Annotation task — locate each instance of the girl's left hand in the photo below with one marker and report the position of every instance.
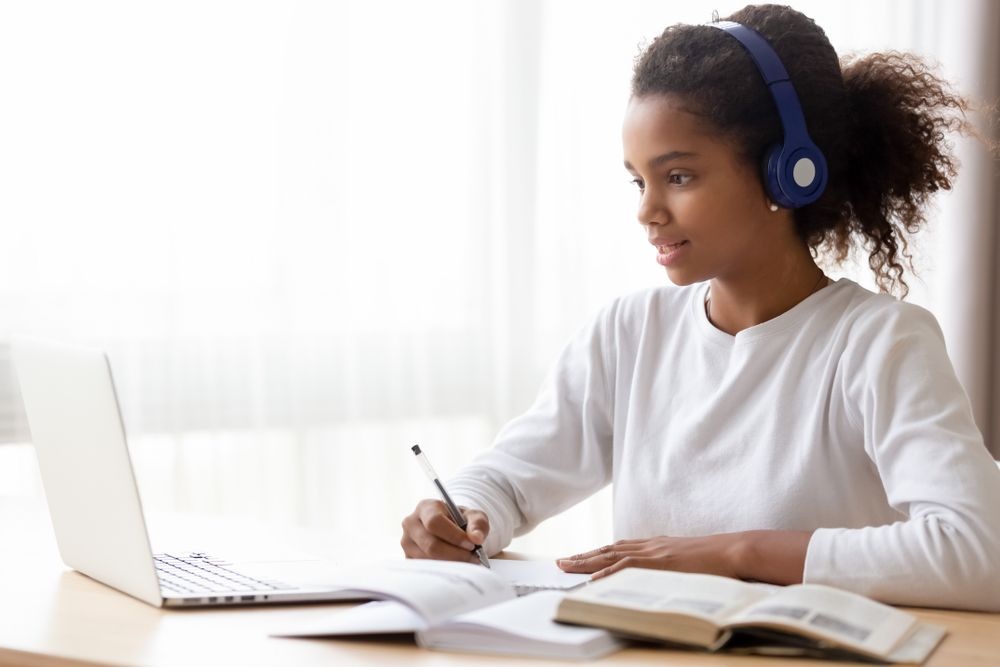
(712, 554)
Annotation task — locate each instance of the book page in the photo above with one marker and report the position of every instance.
(704, 596)
(839, 616)
(919, 644)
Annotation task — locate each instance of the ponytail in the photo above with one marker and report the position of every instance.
(899, 117)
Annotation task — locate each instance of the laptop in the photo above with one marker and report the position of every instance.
(76, 426)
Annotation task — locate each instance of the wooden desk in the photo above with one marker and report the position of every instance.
(50, 615)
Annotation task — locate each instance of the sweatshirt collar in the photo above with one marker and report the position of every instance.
(794, 316)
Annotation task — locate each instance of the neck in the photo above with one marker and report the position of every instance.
(740, 302)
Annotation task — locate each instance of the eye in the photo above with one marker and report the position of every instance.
(639, 184)
(679, 179)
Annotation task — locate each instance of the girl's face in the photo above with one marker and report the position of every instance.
(694, 190)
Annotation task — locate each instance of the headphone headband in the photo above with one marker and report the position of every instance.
(795, 171)
(763, 55)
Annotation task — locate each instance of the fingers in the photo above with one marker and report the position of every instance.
(478, 525)
(431, 547)
(621, 546)
(589, 565)
(437, 521)
(605, 564)
(628, 561)
(410, 548)
(418, 543)
(598, 559)
(429, 532)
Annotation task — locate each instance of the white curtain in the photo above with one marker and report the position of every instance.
(334, 229)
(966, 284)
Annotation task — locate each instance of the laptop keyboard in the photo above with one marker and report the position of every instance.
(200, 573)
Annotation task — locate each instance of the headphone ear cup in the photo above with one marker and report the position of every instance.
(769, 174)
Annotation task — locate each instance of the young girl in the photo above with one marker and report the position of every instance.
(758, 420)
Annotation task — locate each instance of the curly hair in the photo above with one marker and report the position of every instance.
(881, 120)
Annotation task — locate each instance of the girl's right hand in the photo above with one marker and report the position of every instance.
(430, 532)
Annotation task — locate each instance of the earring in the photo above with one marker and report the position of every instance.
(773, 206)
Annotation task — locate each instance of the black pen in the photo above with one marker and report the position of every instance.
(455, 514)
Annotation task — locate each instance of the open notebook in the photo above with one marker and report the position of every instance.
(465, 607)
(531, 576)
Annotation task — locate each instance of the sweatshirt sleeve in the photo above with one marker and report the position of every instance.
(903, 393)
(554, 455)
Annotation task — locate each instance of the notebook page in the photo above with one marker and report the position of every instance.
(529, 576)
(418, 593)
(383, 617)
(522, 626)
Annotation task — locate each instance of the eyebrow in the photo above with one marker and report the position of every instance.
(662, 159)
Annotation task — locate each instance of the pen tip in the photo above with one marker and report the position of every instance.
(416, 449)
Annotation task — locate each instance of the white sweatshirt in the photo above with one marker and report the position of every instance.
(842, 415)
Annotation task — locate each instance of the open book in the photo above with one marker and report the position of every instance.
(465, 607)
(718, 613)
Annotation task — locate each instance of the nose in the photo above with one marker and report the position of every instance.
(651, 211)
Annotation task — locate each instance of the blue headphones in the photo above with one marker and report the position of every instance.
(795, 170)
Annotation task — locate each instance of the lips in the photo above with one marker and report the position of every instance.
(670, 253)
(663, 246)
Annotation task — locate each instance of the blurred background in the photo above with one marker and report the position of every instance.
(311, 234)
